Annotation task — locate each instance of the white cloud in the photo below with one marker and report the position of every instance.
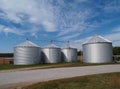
(51, 17)
(49, 27)
(63, 32)
(78, 43)
(112, 6)
(116, 29)
(74, 20)
(33, 32)
(113, 37)
(1, 27)
(34, 35)
(40, 12)
(20, 32)
(69, 37)
(7, 30)
(64, 18)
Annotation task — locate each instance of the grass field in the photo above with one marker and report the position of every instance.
(42, 66)
(99, 81)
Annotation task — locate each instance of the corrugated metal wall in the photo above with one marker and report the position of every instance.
(27, 55)
(97, 52)
(52, 55)
(69, 54)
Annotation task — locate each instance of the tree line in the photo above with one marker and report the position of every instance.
(116, 50)
(6, 54)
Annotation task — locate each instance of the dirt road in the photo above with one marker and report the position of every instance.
(20, 78)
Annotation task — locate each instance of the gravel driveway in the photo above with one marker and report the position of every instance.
(8, 79)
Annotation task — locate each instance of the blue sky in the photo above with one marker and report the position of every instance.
(62, 20)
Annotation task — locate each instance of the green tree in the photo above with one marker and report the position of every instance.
(116, 50)
(79, 53)
(6, 54)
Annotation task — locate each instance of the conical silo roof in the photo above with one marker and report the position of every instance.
(51, 46)
(68, 47)
(27, 43)
(96, 39)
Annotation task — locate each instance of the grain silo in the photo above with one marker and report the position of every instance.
(27, 53)
(52, 54)
(97, 50)
(69, 54)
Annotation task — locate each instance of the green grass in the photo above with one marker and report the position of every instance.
(99, 81)
(42, 66)
(11, 66)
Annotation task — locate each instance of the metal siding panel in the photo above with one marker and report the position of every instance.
(46, 55)
(64, 55)
(27, 55)
(97, 53)
(69, 54)
(52, 55)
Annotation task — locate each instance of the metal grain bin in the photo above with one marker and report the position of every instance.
(69, 54)
(97, 50)
(27, 53)
(52, 54)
